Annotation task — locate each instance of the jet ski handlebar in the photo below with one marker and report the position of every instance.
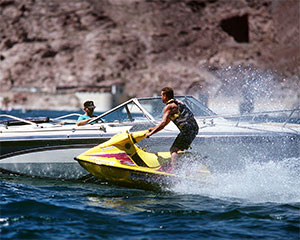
(138, 136)
(123, 137)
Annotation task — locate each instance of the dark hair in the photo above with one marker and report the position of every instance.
(89, 104)
(168, 92)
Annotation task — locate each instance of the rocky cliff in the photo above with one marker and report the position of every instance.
(51, 49)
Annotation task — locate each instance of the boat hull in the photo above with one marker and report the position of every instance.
(53, 158)
(54, 164)
(223, 153)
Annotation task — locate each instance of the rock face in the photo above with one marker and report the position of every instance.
(51, 48)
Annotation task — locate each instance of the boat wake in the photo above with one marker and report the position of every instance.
(273, 181)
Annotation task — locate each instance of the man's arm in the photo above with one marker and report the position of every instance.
(84, 122)
(164, 122)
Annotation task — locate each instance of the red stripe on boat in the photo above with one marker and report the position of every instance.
(121, 156)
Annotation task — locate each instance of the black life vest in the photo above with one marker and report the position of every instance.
(184, 118)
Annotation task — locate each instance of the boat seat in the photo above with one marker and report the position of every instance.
(145, 159)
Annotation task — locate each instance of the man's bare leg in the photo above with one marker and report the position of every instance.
(174, 157)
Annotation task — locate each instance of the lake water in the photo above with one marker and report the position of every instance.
(259, 201)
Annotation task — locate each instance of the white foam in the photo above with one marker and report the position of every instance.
(273, 181)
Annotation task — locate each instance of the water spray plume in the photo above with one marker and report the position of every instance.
(273, 181)
(253, 88)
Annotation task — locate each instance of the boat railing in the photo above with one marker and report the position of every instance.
(280, 116)
(290, 116)
(19, 119)
(66, 116)
(58, 119)
(36, 123)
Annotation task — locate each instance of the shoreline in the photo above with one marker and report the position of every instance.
(220, 104)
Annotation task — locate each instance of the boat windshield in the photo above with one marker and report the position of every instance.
(144, 109)
(128, 112)
(155, 106)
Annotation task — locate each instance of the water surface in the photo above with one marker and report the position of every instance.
(261, 201)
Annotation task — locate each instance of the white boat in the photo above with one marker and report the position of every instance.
(47, 148)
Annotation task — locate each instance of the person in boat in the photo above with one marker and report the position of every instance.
(88, 108)
(182, 117)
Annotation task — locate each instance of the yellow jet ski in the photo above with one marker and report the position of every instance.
(120, 161)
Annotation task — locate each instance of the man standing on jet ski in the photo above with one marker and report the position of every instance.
(182, 117)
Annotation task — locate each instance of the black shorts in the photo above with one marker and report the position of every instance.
(186, 136)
